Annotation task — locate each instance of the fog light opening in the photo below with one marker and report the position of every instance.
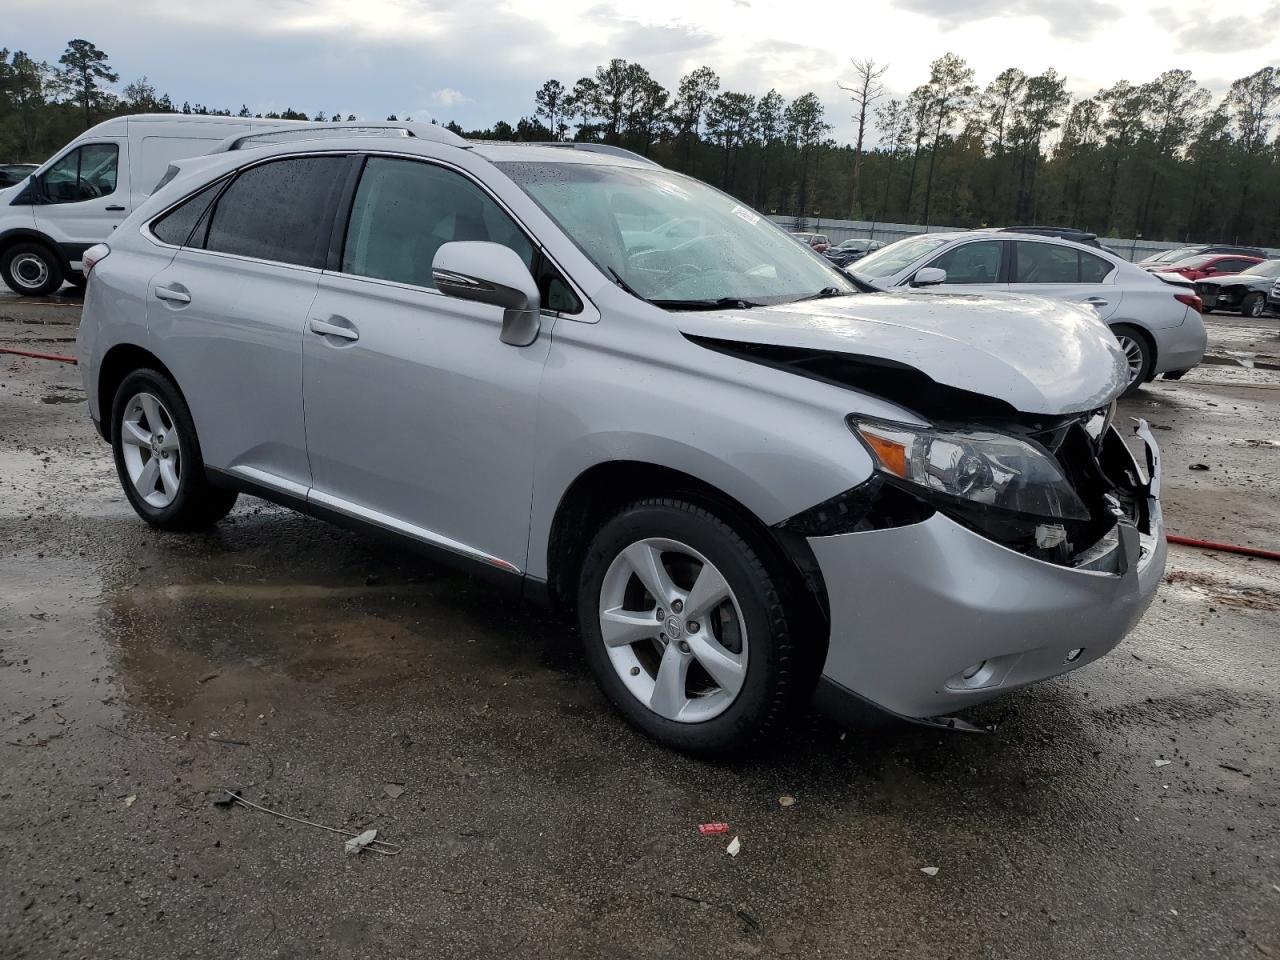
(1073, 655)
(972, 672)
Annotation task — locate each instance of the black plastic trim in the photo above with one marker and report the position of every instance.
(849, 709)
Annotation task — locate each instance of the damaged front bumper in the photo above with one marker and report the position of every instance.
(932, 617)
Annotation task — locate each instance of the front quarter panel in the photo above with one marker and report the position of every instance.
(633, 388)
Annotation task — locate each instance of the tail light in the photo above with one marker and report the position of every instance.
(1191, 300)
(92, 257)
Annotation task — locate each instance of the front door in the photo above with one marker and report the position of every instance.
(419, 419)
(973, 267)
(85, 195)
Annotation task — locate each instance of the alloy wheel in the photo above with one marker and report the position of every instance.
(1132, 354)
(673, 630)
(152, 455)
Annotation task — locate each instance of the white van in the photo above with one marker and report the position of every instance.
(79, 196)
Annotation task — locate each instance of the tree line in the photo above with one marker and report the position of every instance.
(1160, 159)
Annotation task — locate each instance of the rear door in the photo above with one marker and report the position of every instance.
(1063, 272)
(228, 312)
(85, 195)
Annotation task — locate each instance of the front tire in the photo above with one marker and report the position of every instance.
(31, 269)
(686, 629)
(157, 456)
(1255, 304)
(1138, 352)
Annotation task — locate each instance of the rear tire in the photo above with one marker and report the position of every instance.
(31, 269)
(742, 672)
(1254, 305)
(1139, 353)
(157, 456)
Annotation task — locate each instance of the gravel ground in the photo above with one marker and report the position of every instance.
(337, 680)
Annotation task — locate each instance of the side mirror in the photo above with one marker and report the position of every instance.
(928, 277)
(491, 273)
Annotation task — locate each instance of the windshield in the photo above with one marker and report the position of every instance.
(670, 239)
(1173, 256)
(854, 245)
(1268, 268)
(901, 253)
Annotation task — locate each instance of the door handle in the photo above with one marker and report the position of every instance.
(115, 208)
(1097, 301)
(172, 295)
(327, 328)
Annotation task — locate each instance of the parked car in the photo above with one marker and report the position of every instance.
(85, 191)
(1246, 292)
(818, 241)
(754, 485)
(847, 251)
(1170, 257)
(12, 173)
(1157, 323)
(1209, 265)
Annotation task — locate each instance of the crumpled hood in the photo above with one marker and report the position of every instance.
(1041, 356)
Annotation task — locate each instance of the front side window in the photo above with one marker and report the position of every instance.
(86, 173)
(406, 210)
(616, 214)
(898, 255)
(279, 211)
(972, 262)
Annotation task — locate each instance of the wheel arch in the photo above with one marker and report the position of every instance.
(31, 235)
(118, 362)
(603, 489)
(1150, 341)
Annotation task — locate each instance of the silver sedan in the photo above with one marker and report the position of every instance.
(1157, 322)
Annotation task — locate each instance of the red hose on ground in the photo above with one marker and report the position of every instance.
(60, 357)
(1224, 547)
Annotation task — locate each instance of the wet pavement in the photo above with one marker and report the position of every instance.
(142, 673)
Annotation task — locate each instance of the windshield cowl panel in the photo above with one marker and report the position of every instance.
(672, 240)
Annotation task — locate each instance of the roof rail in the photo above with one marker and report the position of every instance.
(606, 148)
(324, 131)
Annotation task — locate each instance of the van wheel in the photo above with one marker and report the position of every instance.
(1137, 351)
(158, 458)
(31, 269)
(686, 630)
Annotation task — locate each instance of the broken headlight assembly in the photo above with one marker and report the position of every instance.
(1001, 486)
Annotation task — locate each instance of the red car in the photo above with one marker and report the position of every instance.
(1210, 265)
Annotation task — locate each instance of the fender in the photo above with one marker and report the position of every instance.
(67, 252)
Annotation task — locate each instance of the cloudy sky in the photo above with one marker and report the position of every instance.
(477, 61)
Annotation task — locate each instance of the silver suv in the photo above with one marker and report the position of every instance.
(754, 486)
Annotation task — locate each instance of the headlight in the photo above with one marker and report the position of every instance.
(973, 468)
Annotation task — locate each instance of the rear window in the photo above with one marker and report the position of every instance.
(175, 226)
(279, 211)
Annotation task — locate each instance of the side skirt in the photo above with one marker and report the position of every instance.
(511, 582)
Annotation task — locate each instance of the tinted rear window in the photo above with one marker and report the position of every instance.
(279, 211)
(175, 226)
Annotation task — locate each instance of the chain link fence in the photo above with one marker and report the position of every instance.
(838, 230)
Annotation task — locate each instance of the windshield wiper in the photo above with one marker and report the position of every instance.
(724, 303)
(826, 293)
